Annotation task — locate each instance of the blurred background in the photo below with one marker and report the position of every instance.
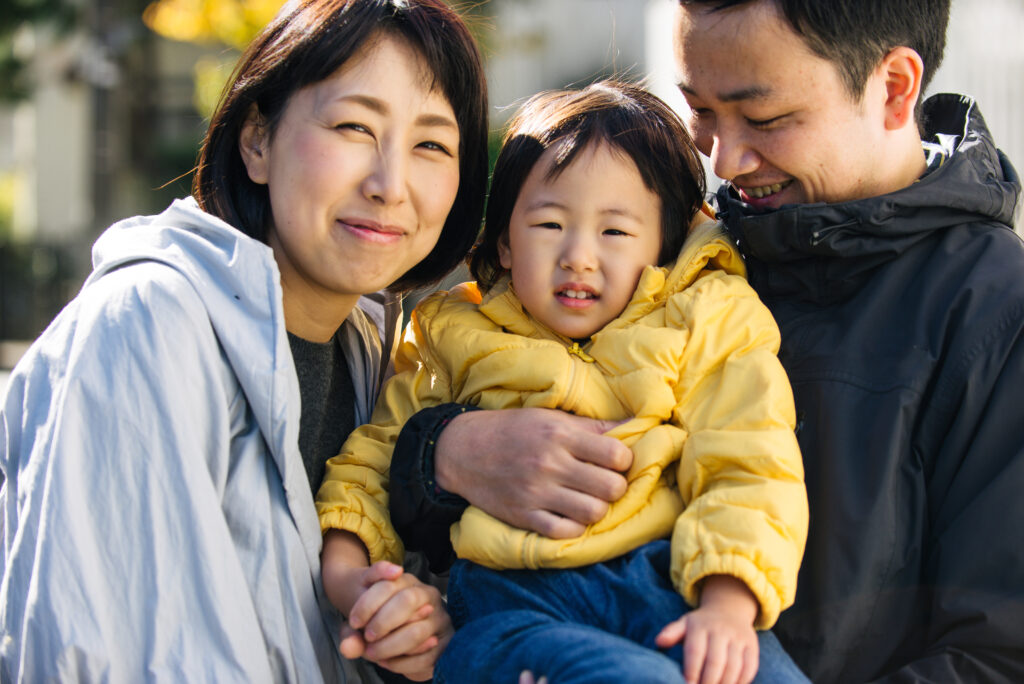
(103, 104)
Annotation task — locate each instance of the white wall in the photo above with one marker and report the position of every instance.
(50, 148)
(541, 44)
(985, 59)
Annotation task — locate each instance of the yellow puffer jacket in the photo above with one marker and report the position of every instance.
(691, 362)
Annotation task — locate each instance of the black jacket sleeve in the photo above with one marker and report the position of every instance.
(974, 558)
(421, 511)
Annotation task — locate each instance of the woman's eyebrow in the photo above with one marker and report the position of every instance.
(383, 107)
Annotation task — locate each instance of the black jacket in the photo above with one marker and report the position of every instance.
(902, 323)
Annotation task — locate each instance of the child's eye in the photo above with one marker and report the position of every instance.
(614, 231)
(549, 224)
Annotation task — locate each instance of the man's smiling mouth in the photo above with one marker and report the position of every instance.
(766, 190)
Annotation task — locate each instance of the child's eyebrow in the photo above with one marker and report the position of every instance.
(616, 211)
(539, 204)
(605, 211)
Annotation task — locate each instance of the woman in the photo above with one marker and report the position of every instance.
(158, 520)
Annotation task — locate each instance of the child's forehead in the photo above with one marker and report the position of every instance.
(567, 152)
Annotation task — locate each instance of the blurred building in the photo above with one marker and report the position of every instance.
(108, 127)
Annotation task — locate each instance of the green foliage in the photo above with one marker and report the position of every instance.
(8, 188)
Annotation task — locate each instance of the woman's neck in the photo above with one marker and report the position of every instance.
(315, 318)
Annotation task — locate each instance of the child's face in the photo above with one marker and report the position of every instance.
(577, 243)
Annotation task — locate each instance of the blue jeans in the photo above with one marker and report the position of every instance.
(591, 624)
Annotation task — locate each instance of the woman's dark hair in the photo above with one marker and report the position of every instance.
(622, 115)
(304, 44)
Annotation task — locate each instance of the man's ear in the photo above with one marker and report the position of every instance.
(902, 69)
(252, 144)
(504, 253)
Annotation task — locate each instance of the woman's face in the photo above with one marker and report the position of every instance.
(362, 171)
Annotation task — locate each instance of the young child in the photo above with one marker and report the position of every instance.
(604, 290)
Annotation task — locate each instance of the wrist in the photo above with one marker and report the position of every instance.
(730, 594)
(342, 560)
(440, 479)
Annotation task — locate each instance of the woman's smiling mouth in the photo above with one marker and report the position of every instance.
(372, 231)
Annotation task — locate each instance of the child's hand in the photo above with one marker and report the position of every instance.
(720, 644)
(397, 622)
(394, 619)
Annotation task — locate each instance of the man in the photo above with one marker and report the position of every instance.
(888, 259)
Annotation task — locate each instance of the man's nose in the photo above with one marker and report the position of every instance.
(731, 155)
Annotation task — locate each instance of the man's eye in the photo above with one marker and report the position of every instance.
(766, 123)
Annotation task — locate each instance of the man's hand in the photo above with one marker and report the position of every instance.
(720, 644)
(538, 469)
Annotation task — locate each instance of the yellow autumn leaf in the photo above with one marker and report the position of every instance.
(229, 22)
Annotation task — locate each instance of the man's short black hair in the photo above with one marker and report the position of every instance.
(856, 35)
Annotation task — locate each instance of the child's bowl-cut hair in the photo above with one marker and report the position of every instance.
(622, 115)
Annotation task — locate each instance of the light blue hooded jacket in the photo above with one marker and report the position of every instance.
(157, 522)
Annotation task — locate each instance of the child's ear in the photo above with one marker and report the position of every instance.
(504, 253)
(252, 146)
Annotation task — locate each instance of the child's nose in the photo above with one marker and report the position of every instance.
(579, 255)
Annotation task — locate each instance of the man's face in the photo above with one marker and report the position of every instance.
(774, 118)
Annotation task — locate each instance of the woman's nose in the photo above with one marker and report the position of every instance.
(387, 180)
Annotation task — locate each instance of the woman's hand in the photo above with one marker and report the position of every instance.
(720, 644)
(393, 619)
(538, 469)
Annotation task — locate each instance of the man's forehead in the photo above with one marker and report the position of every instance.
(734, 54)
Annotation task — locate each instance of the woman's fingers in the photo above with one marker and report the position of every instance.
(352, 645)
(382, 580)
(397, 603)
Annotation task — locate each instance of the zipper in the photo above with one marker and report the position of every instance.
(577, 350)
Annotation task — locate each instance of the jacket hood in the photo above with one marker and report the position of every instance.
(238, 280)
(825, 251)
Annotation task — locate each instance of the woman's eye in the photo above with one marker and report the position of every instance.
(432, 145)
(350, 126)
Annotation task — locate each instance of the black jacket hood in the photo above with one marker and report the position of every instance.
(825, 251)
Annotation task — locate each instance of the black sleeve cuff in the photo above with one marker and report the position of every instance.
(421, 511)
